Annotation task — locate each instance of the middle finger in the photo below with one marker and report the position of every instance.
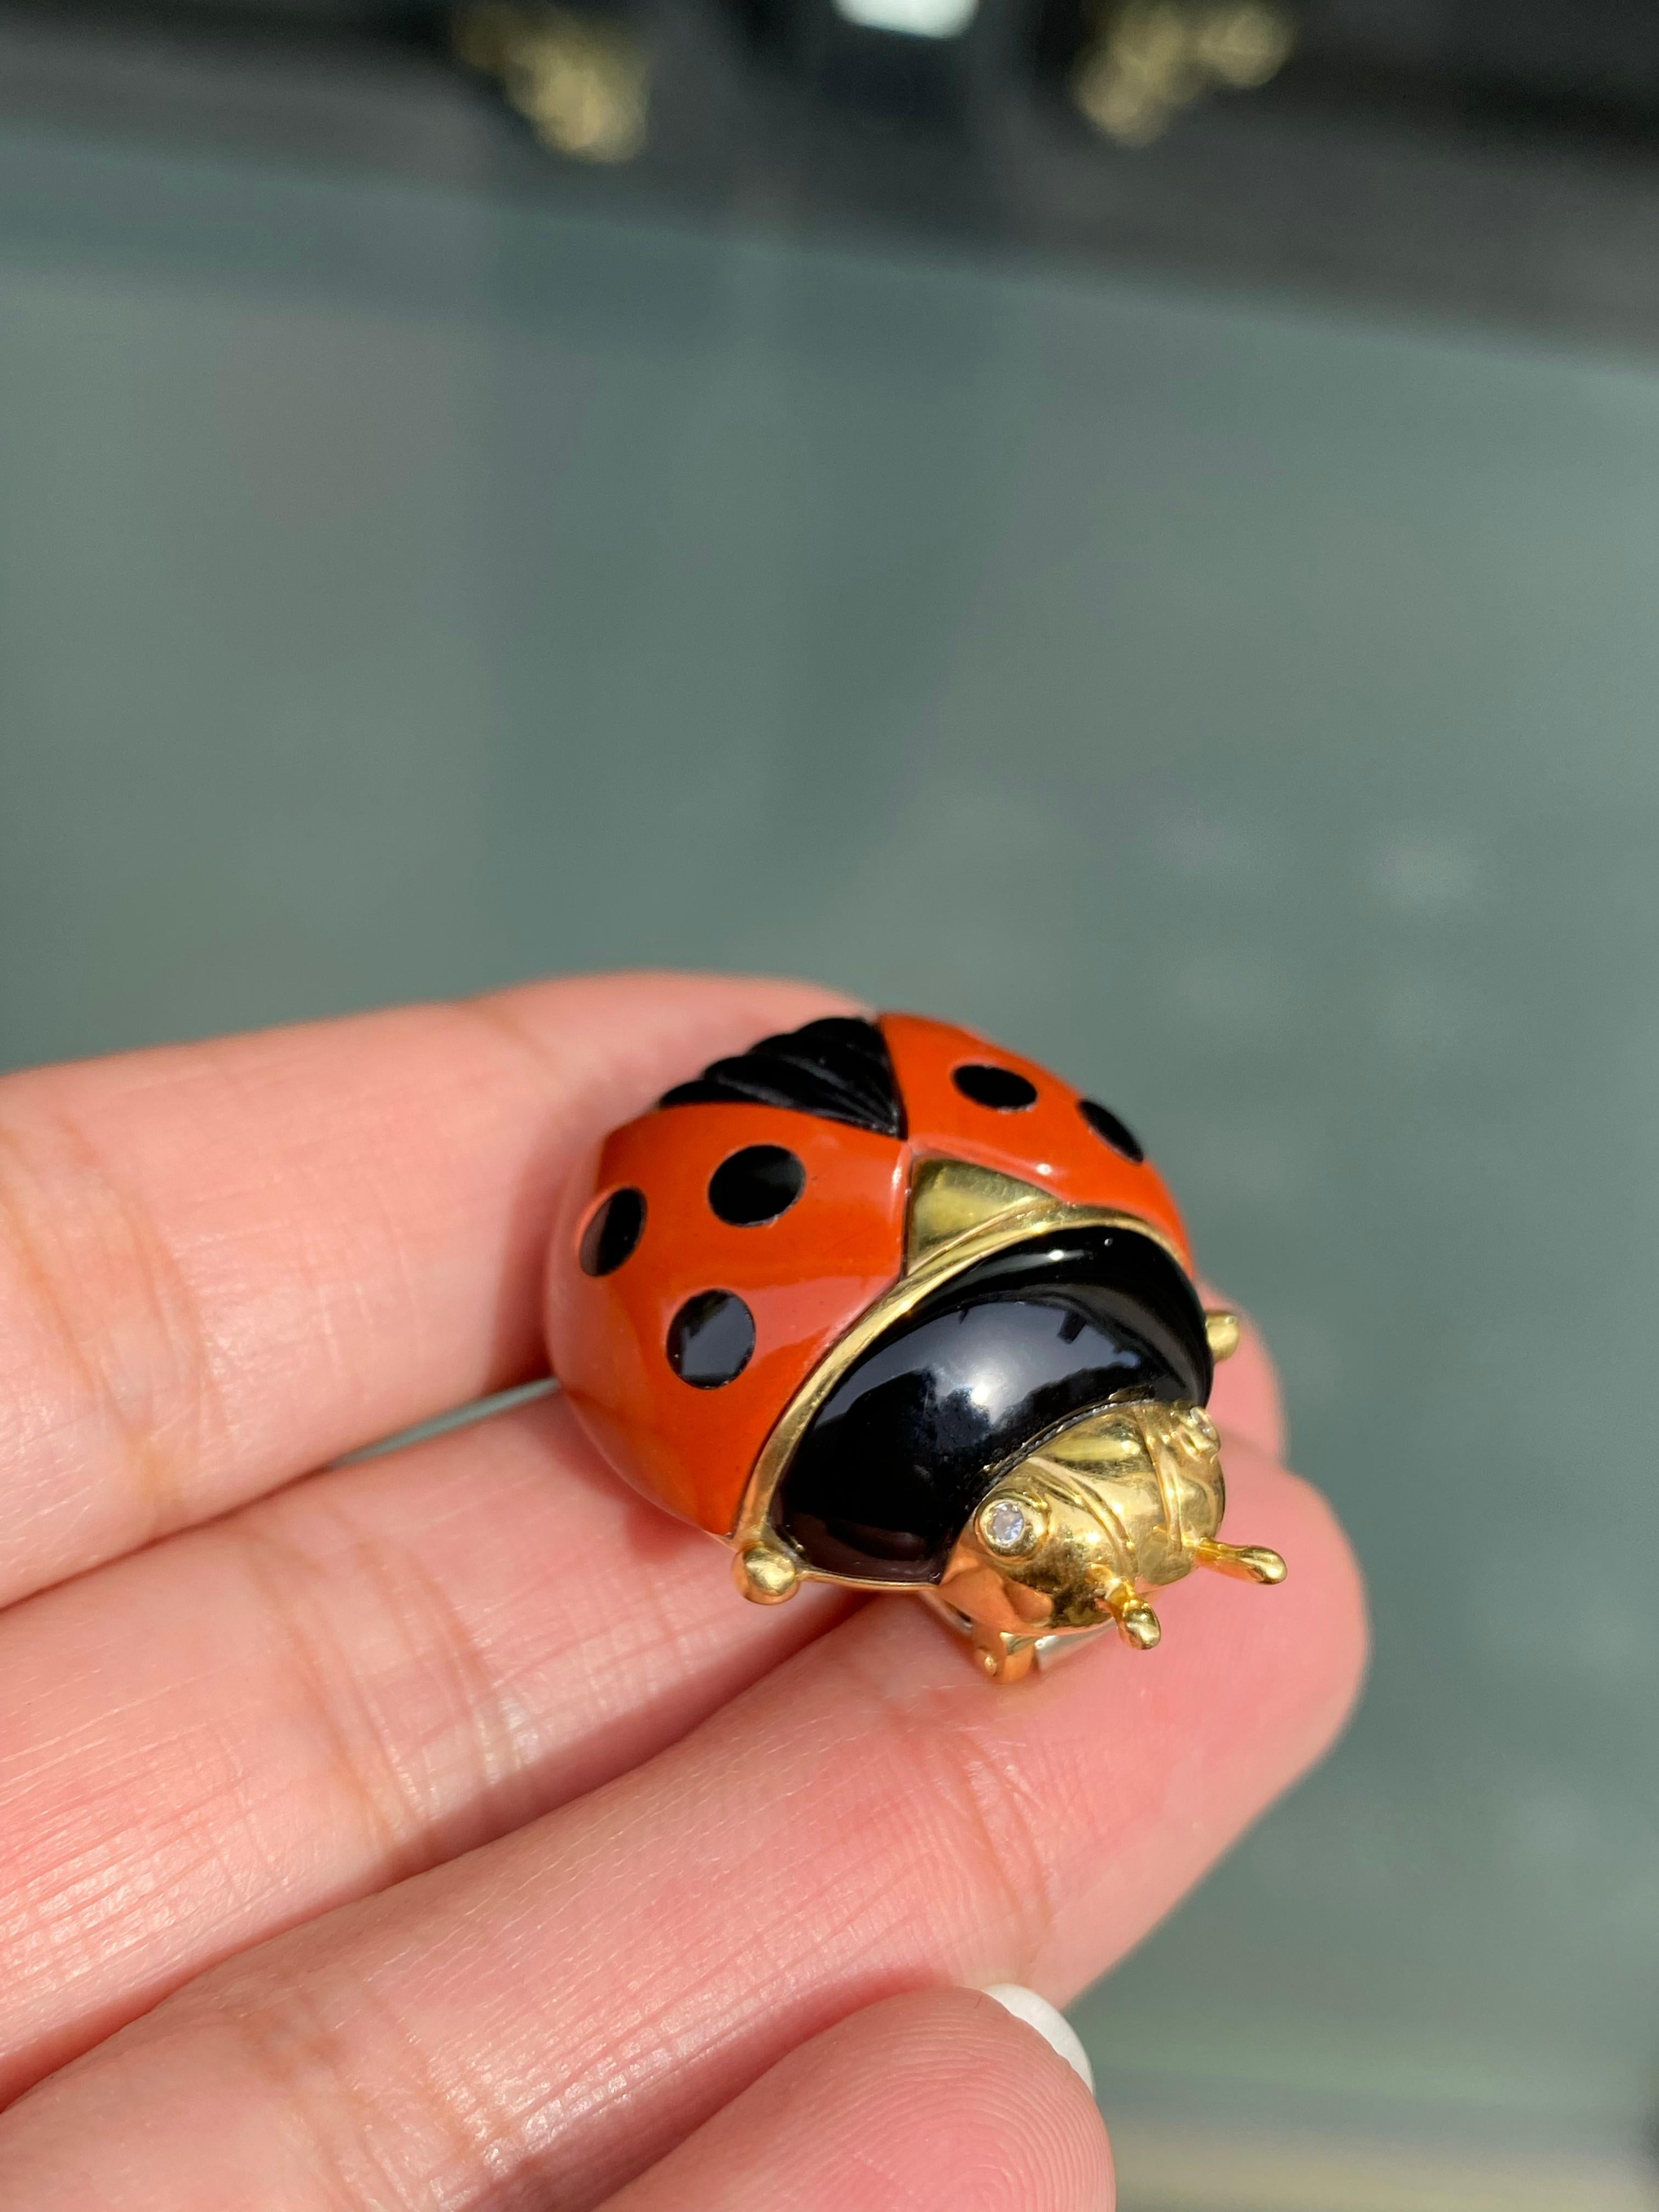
(326, 1690)
(551, 2013)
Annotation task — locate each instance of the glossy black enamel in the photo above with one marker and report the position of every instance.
(756, 1185)
(903, 1451)
(612, 1231)
(711, 1339)
(1106, 1124)
(999, 1088)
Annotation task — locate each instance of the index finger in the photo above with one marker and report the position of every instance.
(222, 1265)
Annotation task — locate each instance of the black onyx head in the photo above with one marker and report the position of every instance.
(919, 1427)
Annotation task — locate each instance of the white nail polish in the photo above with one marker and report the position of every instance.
(1051, 2025)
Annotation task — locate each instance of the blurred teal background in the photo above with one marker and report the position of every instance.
(1247, 707)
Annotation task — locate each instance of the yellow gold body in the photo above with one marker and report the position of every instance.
(1070, 1539)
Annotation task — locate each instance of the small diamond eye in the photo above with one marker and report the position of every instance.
(1010, 1525)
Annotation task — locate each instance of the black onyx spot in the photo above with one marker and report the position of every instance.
(756, 1185)
(710, 1338)
(999, 1087)
(613, 1231)
(1104, 1123)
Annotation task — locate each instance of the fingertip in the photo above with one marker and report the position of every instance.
(1009, 2063)
(1310, 1637)
(1247, 1401)
(1050, 2023)
(1339, 1611)
(918, 2103)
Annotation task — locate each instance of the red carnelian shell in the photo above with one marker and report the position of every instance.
(806, 1275)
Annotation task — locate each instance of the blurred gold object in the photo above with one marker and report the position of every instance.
(582, 81)
(1070, 1540)
(1222, 1329)
(1153, 58)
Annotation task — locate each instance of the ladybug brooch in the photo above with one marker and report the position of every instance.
(878, 1303)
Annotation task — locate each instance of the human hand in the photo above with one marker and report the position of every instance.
(439, 1831)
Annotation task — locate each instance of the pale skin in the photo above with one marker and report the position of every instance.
(441, 1831)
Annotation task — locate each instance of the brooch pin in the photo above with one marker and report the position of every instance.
(878, 1303)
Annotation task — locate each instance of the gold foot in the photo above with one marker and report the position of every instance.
(1222, 1329)
(766, 1574)
(1004, 1658)
(1245, 1563)
(1137, 1623)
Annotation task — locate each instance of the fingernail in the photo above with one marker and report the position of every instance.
(1050, 2024)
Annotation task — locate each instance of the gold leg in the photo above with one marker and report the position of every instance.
(1137, 1623)
(1224, 1330)
(1005, 1658)
(1245, 1563)
(766, 1574)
